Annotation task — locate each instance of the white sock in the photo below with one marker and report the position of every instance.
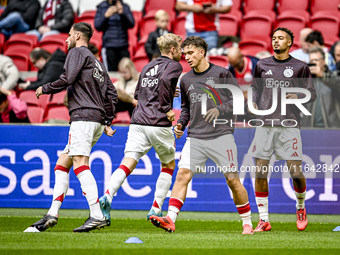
(90, 190)
(162, 187)
(59, 191)
(262, 206)
(245, 213)
(116, 180)
(300, 200)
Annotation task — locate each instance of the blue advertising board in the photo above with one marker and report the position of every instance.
(28, 155)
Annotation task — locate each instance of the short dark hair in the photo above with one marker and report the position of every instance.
(93, 48)
(196, 41)
(84, 28)
(316, 50)
(315, 36)
(290, 33)
(3, 97)
(38, 53)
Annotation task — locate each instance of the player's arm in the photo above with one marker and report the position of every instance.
(110, 101)
(185, 113)
(181, 6)
(138, 87)
(73, 65)
(167, 88)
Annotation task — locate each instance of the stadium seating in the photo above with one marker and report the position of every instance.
(254, 25)
(288, 5)
(140, 62)
(250, 5)
(89, 14)
(151, 5)
(53, 42)
(122, 118)
(252, 46)
(57, 113)
(30, 98)
(18, 45)
(219, 60)
(21, 61)
(296, 45)
(57, 99)
(35, 114)
(321, 5)
(327, 25)
(293, 22)
(185, 65)
(229, 25)
(179, 25)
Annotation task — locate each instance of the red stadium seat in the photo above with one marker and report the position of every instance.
(113, 79)
(252, 46)
(290, 13)
(219, 60)
(57, 113)
(133, 32)
(294, 23)
(321, 5)
(18, 45)
(20, 36)
(253, 25)
(288, 5)
(185, 65)
(179, 25)
(21, 61)
(122, 118)
(237, 4)
(250, 5)
(35, 114)
(260, 13)
(140, 50)
(228, 25)
(296, 45)
(89, 14)
(2, 42)
(30, 98)
(327, 25)
(168, 5)
(52, 43)
(57, 99)
(332, 13)
(140, 62)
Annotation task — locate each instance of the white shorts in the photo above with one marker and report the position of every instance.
(142, 138)
(284, 142)
(222, 151)
(83, 135)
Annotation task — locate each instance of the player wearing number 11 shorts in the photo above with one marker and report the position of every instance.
(280, 133)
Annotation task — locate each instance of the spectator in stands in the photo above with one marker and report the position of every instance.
(242, 67)
(50, 67)
(202, 18)
(19, 16)
(263, 54)
(325, 109)
(302, 53)
(9, 74)
(126, 86)
(114, 18)
(151, 47)
(315, 39)
(55, 17)
(335, 54)
(12, 109)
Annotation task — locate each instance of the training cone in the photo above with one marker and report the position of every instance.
(133, 240)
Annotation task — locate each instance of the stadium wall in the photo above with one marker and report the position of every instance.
(28, 155)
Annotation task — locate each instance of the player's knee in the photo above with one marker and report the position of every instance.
(234, 183)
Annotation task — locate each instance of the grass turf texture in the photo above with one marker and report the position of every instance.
(196, 233)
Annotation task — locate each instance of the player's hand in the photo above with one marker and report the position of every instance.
(38, 92)
(316, 70)
(210, 10)
(108, 131)
(291, 96)
(255, 107)
(178, 130)
(171, 115)
(211, 115)
(134, 102)
(177, 92)
(197, 8)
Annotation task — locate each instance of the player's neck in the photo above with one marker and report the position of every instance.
(81, 43)
(281, 56)
(204, 65)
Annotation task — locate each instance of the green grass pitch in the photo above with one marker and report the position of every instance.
(196, 233)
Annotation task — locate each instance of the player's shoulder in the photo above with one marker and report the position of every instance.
(298, 62)
(266, 60)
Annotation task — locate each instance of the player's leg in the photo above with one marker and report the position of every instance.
(163, 141)
(61, 185)
(176, 201)
(299, 184)
(136, 146)
(241, 201)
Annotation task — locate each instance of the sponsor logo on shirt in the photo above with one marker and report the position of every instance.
(96, 72)
(269, 72)
(150, 82)
(272, 83)
(152, 71)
